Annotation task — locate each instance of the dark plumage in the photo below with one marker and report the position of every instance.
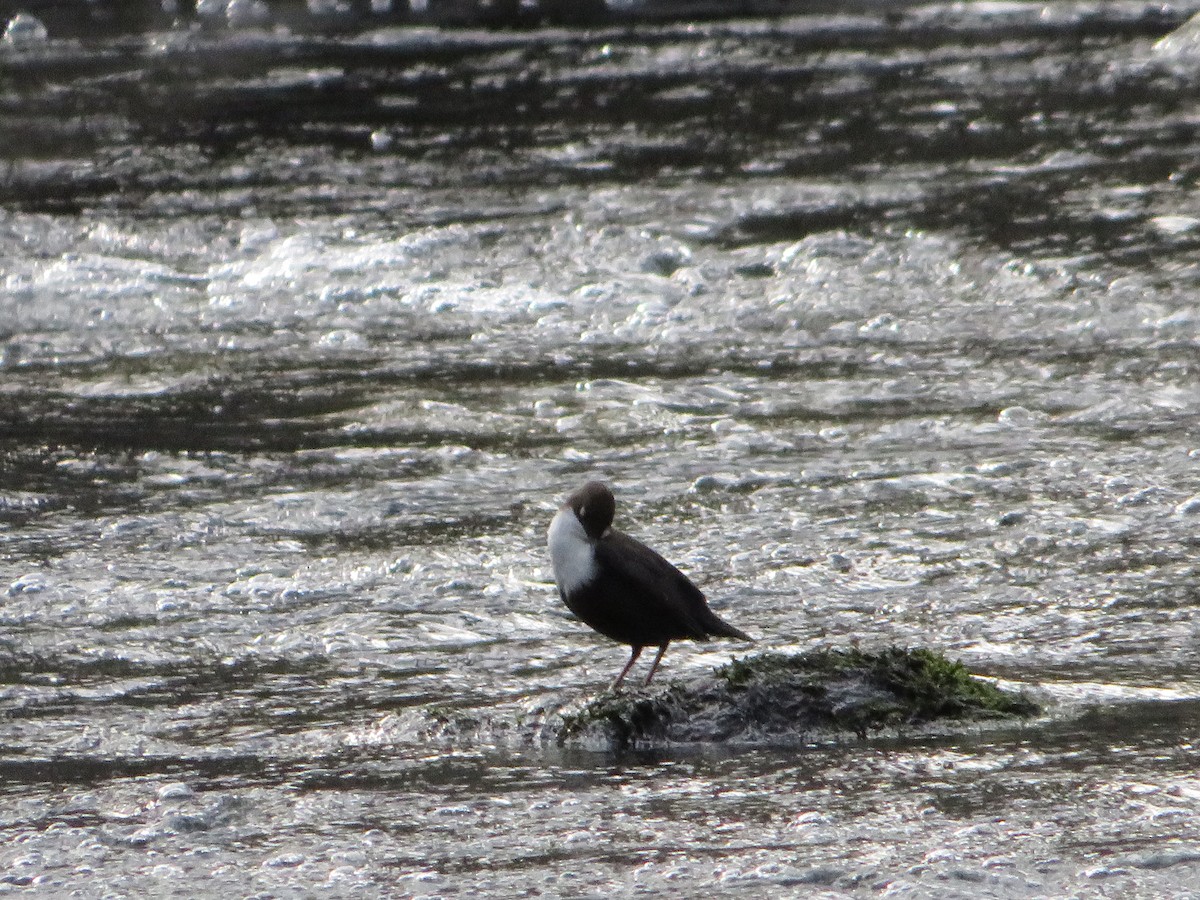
(622, 588)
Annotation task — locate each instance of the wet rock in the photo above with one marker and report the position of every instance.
(186, 823)
(774, 698)
(839, 562)
(666, 260)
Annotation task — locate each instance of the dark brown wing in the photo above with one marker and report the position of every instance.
(663, 593)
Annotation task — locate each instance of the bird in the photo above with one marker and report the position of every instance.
(622, 588)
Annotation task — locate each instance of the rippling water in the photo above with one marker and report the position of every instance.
(884, 330)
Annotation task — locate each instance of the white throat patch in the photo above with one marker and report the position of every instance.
(570, 551)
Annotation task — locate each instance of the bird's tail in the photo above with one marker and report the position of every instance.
(718, 627)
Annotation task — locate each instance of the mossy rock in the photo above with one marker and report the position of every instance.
(777, 698)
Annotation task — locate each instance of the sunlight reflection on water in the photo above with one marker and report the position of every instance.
(277, 614)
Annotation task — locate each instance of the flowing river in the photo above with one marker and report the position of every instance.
(883, 327)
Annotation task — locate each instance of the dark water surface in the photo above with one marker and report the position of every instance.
(884, 327)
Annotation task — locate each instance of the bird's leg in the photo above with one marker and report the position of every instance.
(637, 651)
(662, 648)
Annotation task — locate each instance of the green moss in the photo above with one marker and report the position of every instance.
(773, 695)
(928, 684)
(941, 687)
(625, 716)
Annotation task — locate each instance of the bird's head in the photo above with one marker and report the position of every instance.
(594, 506)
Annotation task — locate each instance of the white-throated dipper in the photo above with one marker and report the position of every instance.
(622, 588)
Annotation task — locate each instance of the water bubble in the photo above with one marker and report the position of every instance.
(32, 583)
(285, 861)
(24, 29)
(175, 791)
(1183, 42)
(343, 339)
(1175, 225)
(1019, 417)
(381, 140)
(1189, 507)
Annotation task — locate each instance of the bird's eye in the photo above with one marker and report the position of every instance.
(583, 512)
